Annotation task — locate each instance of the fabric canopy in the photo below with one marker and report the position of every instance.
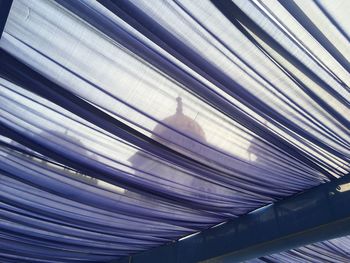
(335, 250)
(125, 125)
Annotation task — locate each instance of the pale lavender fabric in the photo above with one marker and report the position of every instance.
(125, 125)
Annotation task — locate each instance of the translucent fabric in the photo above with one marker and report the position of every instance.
(128, 124)
(335, 250)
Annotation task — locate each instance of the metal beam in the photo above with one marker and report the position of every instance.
(318, 214)
(5, 6)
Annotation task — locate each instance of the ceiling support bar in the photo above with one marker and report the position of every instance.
(318, 214)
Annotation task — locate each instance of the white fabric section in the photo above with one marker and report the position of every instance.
(125, 81)
(298, 32)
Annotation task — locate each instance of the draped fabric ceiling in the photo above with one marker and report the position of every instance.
(128, 124)
(335, 250)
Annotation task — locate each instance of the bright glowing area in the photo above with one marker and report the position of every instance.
(183, 238)
(343, 187)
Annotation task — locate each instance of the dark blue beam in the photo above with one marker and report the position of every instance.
(5, 6)
(318, 214)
